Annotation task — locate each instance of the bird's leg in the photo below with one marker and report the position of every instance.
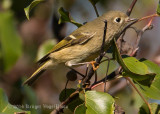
(94, 64)
(95, 67)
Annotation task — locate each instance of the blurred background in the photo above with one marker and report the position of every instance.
(23, 42)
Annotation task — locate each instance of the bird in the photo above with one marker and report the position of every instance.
(84, 44)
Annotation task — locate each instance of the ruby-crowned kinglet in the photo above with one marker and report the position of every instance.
(83, 44)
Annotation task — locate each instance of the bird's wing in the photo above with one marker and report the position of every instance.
(77, 38)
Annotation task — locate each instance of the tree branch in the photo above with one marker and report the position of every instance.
(129, 11)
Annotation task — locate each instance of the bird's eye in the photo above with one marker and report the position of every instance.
(117, 20)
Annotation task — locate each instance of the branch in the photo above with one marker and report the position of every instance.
(111, 76)
(129, 11)
(149, 26)
(94, 6)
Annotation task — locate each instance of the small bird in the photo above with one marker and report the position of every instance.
(84, 44)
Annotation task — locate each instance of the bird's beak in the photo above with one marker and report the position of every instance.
(131, 20)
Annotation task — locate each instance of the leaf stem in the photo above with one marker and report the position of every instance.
(150, 16)
(139, 93)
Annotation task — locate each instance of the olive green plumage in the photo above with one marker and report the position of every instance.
(83, 44)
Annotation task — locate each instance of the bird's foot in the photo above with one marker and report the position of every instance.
(93, 65)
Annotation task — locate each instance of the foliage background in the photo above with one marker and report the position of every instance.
(22, 42)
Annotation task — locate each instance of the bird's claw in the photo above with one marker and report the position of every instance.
(93, 65)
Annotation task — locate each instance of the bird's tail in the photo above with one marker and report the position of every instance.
(36, 74)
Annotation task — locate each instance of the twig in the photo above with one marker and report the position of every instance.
(77, 72)
(129, 11)
(86, 70)
(66, 102)
(150, 16)
(139, 94)
(106, 60)
(107, 78)
(140, 32)
(94, 6)
(65, 93)
(106, 73)
(104, 37)
(95, 77)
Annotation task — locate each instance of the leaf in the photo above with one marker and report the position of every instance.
(31, 6)
(6, 107)
(63, 96)
(103, 66)
(133, 68)
(152, 67)
(93, 2)
(81, 109)
(10, 42)
(77, 101)
(45, 48)
(65, 17)
(154, 90)
(155, 109)
(99, 103)
(158, 8)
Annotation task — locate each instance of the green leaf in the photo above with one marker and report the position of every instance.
(152, 67)
(6, 107)
(65, 94)
(155, 109)
(81, 109)
(77, 101)
(65, 17)
(10, 42)
(93, 2)
(99, 103)
(45, 48)
(103, 66)
(134, 68)
(158, 8)
(31, 6)
(154, 90)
